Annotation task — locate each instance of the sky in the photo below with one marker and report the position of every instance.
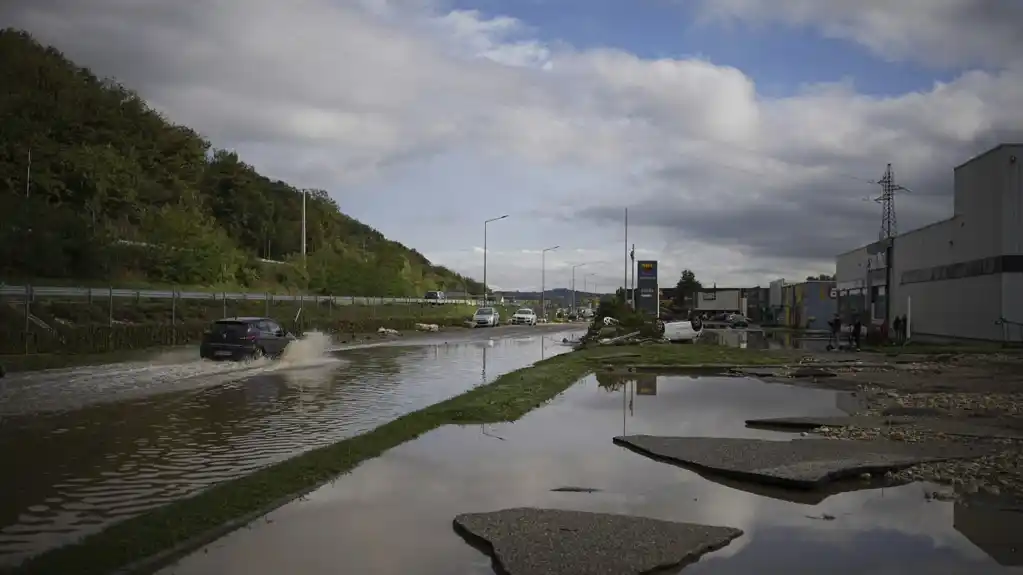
(744, 137)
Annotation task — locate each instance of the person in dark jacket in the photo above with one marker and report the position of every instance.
(897, 329)
(857, 332)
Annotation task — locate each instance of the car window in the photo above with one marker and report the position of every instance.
(272, 326)
(230, 327)
(485, 311)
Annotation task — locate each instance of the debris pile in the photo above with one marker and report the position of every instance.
(386, 331)
(432, 327)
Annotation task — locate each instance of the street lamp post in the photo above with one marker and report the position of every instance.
(573, 284)
(543, 279)
(585, 282)
(485, 298)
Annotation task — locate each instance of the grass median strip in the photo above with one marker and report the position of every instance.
(187, 524)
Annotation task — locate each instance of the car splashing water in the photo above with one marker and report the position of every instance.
(169, 371)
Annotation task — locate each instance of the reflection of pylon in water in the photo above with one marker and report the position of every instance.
(889, 225)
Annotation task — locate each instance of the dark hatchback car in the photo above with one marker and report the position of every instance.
(240, 338)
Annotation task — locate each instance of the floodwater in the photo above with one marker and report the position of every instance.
(72, 472)
(756, 339)
(393, 514)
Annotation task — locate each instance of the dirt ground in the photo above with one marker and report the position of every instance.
(972, 398)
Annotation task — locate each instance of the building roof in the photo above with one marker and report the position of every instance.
(986, 152)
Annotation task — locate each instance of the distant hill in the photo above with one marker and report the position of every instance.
(121, 195)
(562, 294)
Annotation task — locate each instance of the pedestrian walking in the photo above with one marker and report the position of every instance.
(897, 329)
(857, 333)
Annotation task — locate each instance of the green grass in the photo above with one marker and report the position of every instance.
(190, 523)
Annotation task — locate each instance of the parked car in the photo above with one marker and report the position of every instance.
(435, 297)
(241, 338)
(524, 316)
(486, 317)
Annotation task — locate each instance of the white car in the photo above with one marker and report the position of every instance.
(486, 317)
(524, 316)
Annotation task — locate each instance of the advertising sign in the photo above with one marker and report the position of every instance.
(646, 284)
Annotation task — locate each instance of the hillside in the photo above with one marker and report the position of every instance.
(120, 195)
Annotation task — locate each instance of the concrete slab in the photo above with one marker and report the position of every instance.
(809, 423)
(528, 541)
(800, 463)
(966, 427)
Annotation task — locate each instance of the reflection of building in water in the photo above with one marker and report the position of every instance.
(998, 532)
(646, 384)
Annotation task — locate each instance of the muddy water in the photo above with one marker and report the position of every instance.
(72, 472)
(393, 514)
(755, 339)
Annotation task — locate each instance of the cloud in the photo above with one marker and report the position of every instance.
(424, 121)
(940, 33)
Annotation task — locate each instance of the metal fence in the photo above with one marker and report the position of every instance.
(30, 293)
(57, 319)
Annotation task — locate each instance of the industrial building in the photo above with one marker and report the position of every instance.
(957, 278)
(809, 305)
(721, 300)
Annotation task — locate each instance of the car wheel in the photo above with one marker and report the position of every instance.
(257, 354)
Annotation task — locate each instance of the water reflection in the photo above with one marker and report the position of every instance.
(393, 514)
(756, 339)
(74, 472)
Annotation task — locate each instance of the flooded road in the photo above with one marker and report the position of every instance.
(393, 514)
(72, 472)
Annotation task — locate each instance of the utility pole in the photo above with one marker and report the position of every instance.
(543, 279)
(573, 284)
(889, 224)
(632, 266)
(28, 174)
(304, 193)
(486, 299)
(888, 231)
(625, 279)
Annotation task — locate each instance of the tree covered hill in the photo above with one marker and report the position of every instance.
(96, 186)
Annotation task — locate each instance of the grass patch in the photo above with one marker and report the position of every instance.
(188, 523)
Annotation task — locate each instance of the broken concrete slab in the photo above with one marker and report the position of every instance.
(810, 423)
(969, 427)
(529, 541)
(799, 463)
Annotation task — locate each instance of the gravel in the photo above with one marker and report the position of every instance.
(980, 419)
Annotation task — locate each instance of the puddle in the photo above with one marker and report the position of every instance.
(770, 340)
(74, 472)
(394, 514)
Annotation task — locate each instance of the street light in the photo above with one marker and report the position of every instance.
(573, 284)
(585, 277)
(543, 278)
(485, 298)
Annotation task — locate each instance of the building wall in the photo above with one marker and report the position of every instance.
(951, 275)
(809, 305)
(774, 299)
(723, 300)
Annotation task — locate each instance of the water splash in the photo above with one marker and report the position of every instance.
(310, 349)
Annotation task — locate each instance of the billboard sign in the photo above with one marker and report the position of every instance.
(646, 284)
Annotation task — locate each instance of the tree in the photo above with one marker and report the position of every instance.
(686, 289)
(821, 277)
(117, 191)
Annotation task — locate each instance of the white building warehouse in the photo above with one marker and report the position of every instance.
(957, 278)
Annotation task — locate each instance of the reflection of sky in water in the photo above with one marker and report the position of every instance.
(79, 470)
(393, 514)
